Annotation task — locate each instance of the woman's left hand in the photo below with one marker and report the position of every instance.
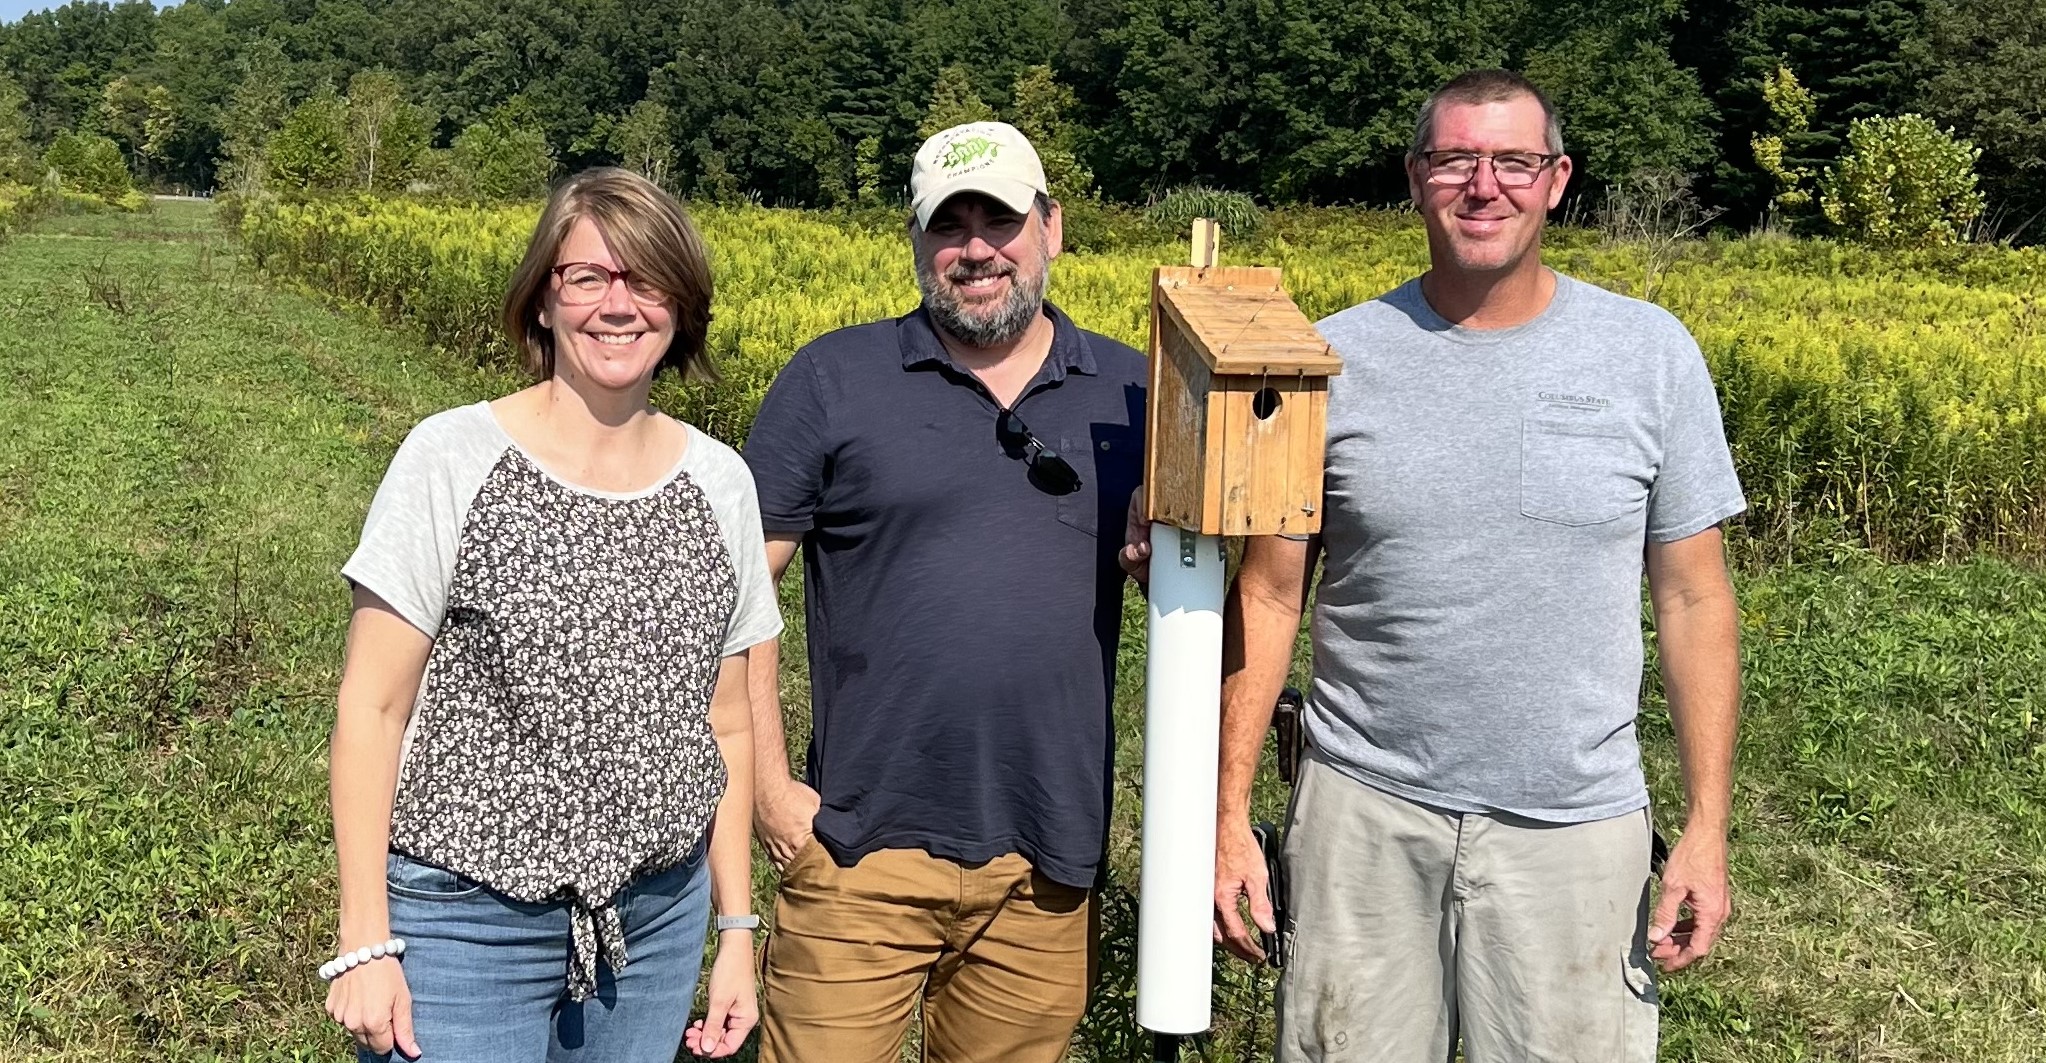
(734, 1007)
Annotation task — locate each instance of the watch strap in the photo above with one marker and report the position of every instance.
(738, 922)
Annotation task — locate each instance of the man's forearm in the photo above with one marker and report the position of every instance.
(1697, 621)
(1701, 673)
(763, 690)
(1260, 621)
(770, 741)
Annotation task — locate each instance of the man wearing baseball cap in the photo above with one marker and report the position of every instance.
(957, 479)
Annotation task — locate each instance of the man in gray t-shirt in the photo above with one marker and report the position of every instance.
(1508, 451)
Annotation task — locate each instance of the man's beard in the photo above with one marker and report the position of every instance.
(981, 328)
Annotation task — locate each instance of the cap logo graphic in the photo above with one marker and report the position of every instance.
(972, 149)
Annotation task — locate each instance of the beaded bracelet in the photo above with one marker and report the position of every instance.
(349, 961)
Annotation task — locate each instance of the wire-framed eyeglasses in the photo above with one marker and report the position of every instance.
(1512, 169)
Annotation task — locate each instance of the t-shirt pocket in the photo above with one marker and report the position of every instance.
(1576, 473)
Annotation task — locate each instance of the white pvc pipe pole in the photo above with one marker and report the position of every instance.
(1182, 737)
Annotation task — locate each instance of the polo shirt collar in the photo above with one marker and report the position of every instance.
(1070, 352)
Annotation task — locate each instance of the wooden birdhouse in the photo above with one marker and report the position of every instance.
(1239, 400)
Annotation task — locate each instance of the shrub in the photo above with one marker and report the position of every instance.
(17, 205)
(1791, 108)
(642, 143)
(1238, 214)
(386, 134)
(1904, 182)
(91, 164)
(953, 102)
(311, 150)
(1042, 111)
(504, 156)
(435, 175)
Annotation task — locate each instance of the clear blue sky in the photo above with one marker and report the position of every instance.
(11, 10)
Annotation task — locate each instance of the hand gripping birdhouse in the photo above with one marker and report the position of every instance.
(1238, 403)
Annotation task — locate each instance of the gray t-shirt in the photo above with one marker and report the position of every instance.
(1477, 631)
(560, 745)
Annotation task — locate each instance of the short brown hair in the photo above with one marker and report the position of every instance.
(651, 235)
(1485, 86)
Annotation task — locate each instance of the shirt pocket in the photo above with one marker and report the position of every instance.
(1109, 465)
(1577, 474)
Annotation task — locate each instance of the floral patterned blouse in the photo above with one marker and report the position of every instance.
(561, 744)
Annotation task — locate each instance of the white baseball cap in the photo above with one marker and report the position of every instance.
(991, 158)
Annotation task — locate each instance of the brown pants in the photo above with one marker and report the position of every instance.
(1001, 956)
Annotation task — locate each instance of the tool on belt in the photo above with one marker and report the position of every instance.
(1292, 738)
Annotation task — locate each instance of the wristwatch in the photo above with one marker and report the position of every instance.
(738, 922)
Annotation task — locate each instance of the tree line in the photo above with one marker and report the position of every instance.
(821, 102)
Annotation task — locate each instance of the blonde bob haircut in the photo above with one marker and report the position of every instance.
(649, 234)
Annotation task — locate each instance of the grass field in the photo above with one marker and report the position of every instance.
(190, 453)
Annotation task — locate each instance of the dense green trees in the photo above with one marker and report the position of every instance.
(821, 101)
(1627, 106)
(1986, 74)
(17, 152)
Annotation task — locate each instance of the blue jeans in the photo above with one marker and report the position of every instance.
(488, 974)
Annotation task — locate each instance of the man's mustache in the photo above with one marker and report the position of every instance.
(974, 273)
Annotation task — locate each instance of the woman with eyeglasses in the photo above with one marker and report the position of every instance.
(542, 753)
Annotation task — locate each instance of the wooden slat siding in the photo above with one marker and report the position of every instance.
(1212, 494)
(1154, 399)
(1181, 473)
(1177, 420)
(1310, 459)
(1244, 484)
(1278, 498)
(1272, 468)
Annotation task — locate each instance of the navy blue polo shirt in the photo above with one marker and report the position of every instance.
(963, 615)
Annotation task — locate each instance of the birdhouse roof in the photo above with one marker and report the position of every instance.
(1241, 322)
